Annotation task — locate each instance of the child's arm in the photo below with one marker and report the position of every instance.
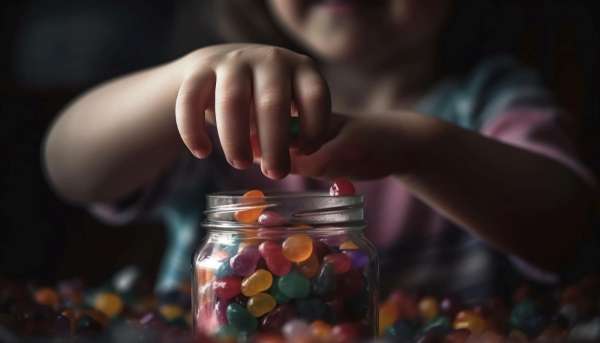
(520, 201)
(121, 135)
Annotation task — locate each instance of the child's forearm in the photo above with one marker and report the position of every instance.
(519, 201)
(116, 137)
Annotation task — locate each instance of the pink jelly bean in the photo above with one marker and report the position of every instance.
(340, 261)
(244, 263)
(272, 254)
(271, 218)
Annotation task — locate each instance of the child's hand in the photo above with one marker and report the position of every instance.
(246, 89)
(372, 147)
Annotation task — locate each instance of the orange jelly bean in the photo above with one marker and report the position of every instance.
(298, 247)
(253, 198)
(320, 330)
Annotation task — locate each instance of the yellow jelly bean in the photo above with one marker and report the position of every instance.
(348, 245)
(320, 330)
(171, 312)
(259, 281)
(471, 321)
(261, 304)
(253, 198)
(298, 247)
(108, 303)
(388, 314)
(310, 267)
(429, 308)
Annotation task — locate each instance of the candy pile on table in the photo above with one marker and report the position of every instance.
(284, 283)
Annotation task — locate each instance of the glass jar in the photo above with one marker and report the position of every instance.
(288, 264)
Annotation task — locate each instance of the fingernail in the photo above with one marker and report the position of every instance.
(199, 153)
(238, 164)
(274, 174)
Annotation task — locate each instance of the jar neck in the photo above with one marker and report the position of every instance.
(318, 213)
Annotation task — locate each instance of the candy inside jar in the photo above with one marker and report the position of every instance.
(285, 265)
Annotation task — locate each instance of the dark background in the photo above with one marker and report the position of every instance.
(53, 50)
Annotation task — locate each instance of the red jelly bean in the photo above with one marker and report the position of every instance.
(244, 263)
(345, 333)
(274, 259)
(227, 287)
(340, 261)
(341, 187)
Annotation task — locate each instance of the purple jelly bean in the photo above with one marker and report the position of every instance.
(359, 258)
(244, 263)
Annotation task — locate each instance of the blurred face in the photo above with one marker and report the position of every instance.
(361, 30)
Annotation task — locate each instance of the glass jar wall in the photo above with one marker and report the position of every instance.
(285, 264)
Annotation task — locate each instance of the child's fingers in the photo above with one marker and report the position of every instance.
(194, 97)
(233, 93)
(272, 101)
(311, 96)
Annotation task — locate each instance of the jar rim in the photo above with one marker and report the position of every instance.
(276, 195)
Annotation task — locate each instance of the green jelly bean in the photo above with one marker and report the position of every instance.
(325, 282)
(277, 294)
(240, 318)
(294, 285)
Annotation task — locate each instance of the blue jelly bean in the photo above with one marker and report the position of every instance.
(224, 269)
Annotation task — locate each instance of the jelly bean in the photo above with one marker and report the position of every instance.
(314, 309)
(388, 313)
(109, 304)
(350, 283)
(320, 330)
(429, 308)
(298, 247)
(345, 333)
(171, 312)
(277, 294)
(325, 282)
(348, 245)
(46, 296)
(244, 263)
(294, 285)
(260, 304)
(295, 329)
(240, 318)
(271, 218)
(224, 269)
(272, 253)
(358, 257)
(275, 319)
(401, 331)
(310, 267)
(341, 263)
(227, 287)
(341, 187)
(221, 311)
(406, 303)
(258, 282)
(471, 321)
(255, 199)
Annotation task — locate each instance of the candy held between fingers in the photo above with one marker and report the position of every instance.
(342, 187)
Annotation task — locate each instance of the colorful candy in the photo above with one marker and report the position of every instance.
(298, 247)
(429, 308)
(295, 329)
(341, 187)
(310, 267)
(109, 304)
(239, 318)
(294, 285)
(244, 263)
(258, 282)
(272, 253)
(341, 262)
(275, 319)
(261, 304)
(325, 283)
(227, 287)
(255, 199)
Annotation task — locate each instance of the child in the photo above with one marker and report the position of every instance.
(456, 165)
